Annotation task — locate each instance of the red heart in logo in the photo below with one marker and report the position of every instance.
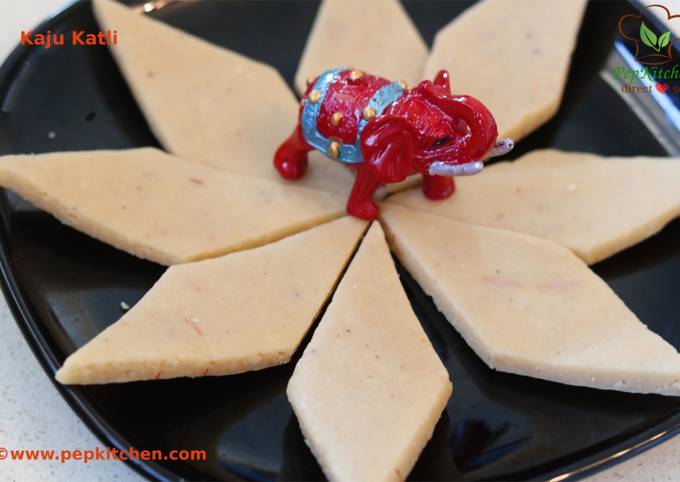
(661, 87)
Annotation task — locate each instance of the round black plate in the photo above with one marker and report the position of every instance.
(65, 287)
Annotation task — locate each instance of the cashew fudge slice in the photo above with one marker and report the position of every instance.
(208, 104)
(369, 387)
(531, 307)
(162, 208)
(513, 56)
(241, 312)
(595, 206)
(377, 36)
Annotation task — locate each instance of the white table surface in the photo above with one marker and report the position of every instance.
(34, 416)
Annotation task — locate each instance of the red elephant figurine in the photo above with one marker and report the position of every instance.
(388, 132)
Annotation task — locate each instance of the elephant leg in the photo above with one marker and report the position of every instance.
(360, 203)
(291, 156)
(438, 187)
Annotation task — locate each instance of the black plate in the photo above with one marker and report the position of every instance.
(65, 287)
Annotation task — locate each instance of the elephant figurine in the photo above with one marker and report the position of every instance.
(388, 132)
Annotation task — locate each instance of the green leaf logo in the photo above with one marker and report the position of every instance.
(648, 37)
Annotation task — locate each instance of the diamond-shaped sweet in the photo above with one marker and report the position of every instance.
(377, 36)
(162, 208)
(208, 104)
(369, 387)
(240, 312)
(593, 205)
(531, 307)
(513, 56)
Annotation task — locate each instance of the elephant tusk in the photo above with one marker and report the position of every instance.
(439, 168)
(503, 146)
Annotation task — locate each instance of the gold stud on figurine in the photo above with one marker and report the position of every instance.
(334, 149)
(314, 96)
(356, 74)
(336, 118)
(403, 84)
(369, 113)
(310, 80)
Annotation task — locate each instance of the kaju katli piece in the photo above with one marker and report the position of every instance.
(387, 132)
(512, 55)
(162, 208)
(205, 103)
(531, 307)
(375, 34)
(369, 387)
(596, 206)
(240, 312)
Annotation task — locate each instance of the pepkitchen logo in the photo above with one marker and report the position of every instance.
(652, 49)
(50, 39)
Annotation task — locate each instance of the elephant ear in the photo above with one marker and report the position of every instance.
(387, 147)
